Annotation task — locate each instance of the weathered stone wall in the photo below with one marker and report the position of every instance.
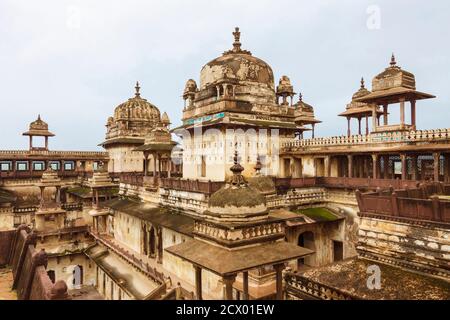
(6, 241)
(423, 246)
(124, 159)
(6, 219)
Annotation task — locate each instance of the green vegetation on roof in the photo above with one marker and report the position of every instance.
(318, 214)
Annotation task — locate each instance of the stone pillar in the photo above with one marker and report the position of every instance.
(46, 142)
(374, 118)
(228, 281)
(367, 124)
(386, 167)
(404, 166)
(436, 158)
(313, 126)
(375, 166)
(359, 125)
(350, 165)
(198, 282)
(245, 285)
(348, 127)
(145, 164)
(446, 167)
(415, 169)
(413, 114)
(385, 114)
(279, 280)
(402, 112)
(154, 166)
(327, 163)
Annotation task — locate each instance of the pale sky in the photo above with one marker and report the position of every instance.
(75, 61)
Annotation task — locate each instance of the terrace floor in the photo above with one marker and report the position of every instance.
(6, 280)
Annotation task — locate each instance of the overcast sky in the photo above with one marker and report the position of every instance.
(75, 61)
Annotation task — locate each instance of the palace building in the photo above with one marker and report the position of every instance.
(235, 202)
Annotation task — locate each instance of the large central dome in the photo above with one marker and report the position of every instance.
(237, 64)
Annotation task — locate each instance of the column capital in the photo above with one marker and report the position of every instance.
(229, 278)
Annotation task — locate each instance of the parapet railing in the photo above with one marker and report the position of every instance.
(189, 185)
(297, 285)
(376, 137)
(154, 274)
(38, 174)
(420, 204)
(95, 154)
(342, 182)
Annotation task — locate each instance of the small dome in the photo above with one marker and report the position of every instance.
(38, 128)
(237, 65)
(38, 124)
(285, 86)
(361, 92)
(229, 196)
(190, 87)
(165, 119)
(393, 77)
(137, 108)
(237, 201)
(302, 106)
(134, 118)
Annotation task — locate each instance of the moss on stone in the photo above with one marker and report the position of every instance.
(318, 214)
(237, 197)
(263, 184)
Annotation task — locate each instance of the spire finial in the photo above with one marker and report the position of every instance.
(237, 37)
(39, 117)
(237, 179)
(362, 83)
(300, 97)
(137, 87)
(258, 166)
(393, 62)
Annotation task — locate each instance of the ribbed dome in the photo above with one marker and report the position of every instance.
(237, 66)
(137, 108)
(135, 118)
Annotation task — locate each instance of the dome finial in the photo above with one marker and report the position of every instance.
(39, 117)
(237, 37)
(137, 87)
(300, 97)
(393, 62)
(362, 83)
(237, 169)
(258, 166)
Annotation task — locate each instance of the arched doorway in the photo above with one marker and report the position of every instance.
(77, 276)
(306, 240)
